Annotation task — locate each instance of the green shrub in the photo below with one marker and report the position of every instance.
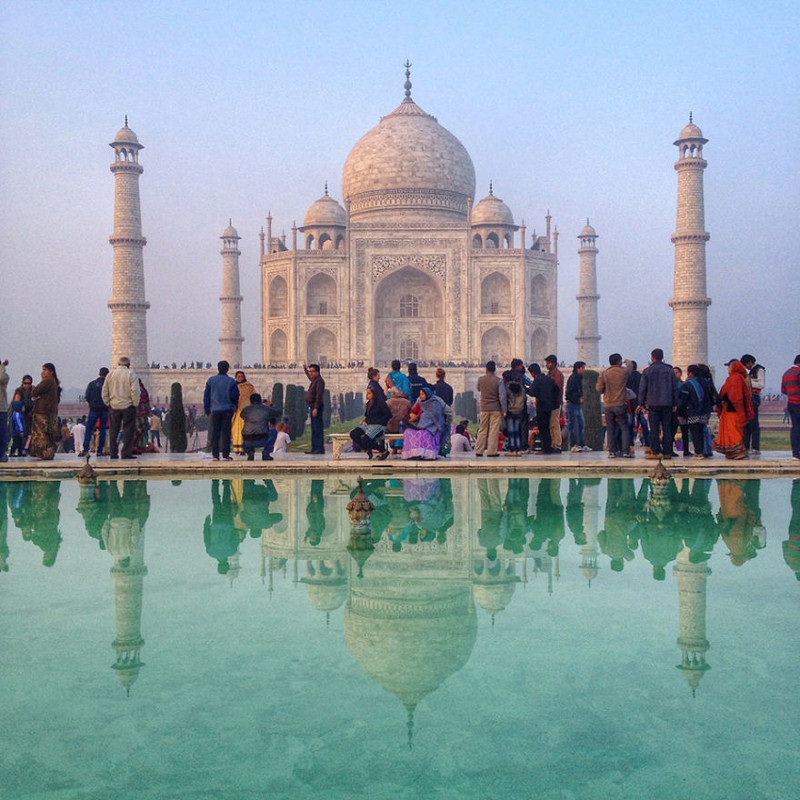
(177, 420)
(591, 410)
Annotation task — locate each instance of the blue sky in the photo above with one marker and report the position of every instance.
(247, 107)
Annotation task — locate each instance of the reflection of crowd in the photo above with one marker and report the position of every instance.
(516, 517)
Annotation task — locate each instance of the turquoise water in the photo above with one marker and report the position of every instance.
(504, 638)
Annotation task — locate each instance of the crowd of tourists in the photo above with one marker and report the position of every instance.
(523, 410)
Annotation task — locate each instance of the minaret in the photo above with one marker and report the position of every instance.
(588, 326)
(231, 337)
(689, 301)
(692, 609)
(128, 306)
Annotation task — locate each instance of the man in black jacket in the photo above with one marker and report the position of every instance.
(546, 392)
(98, 411)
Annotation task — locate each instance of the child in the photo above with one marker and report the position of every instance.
(17, 427)
(283, 441)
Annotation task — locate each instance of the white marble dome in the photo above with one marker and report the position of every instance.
(587, 230)
(492, 211)
(126, 136)
(230, 232)
(691, 131)
(408, 162)
(326, 212)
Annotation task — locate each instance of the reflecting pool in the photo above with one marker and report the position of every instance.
(478, 637)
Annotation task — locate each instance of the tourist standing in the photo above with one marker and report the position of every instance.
(98, 414)
(416, 381)
(551, 362)
(493, 407)
(45, 433)
(397, 384)
(545, 390)
(613, 385)
(246, 390)
(516, 406)
(790, 386)
(315, 400)
(694, 409)
(220, 399)
(756, 378)
(637, 419)
(16, 424)
(25, 389)
(443, 389)
(3, 411)
(121, 394)
(576, 423)
(155, 430)
(374, 382)
(735, 407)
(658, 393)
(78, 435)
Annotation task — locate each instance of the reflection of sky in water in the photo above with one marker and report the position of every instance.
(522, 633)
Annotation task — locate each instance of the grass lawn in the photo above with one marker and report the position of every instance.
(304, 442)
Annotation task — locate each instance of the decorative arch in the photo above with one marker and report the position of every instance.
(397, 297)
(492, 242)
(325, 242)
(321, 295)
(278, 297)
(310, 241)
(496, 345)
(540, 296)
(321, 346)
(278, 347)
(496, 294)
(539, 345)
(339, 241)
(477, 242)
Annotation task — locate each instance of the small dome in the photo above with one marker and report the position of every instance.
(126, 136)
(691, 131)
(492, 211)
(230, 232)
(587, 230)
(325, 211)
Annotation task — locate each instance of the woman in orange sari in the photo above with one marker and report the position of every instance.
(246, 389)
(735, 408)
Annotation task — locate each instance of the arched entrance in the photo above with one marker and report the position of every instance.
(321, 347)
(496, 346)
(409, 314)
(278, 347)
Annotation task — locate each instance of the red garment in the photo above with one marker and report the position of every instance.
(735, 409)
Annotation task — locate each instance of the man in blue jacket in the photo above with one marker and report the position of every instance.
(219, 402)
(658, 393)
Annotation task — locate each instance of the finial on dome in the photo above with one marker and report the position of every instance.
(491, 192)
(690, 117)
(587, 220)
(126, 120)
(326, 188)
(407, 84)
(230, 220)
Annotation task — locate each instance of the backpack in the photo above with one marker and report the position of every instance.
(515, 397)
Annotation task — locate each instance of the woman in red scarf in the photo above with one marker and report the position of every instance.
(735, 408)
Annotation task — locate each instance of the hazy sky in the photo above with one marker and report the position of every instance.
(245, 107)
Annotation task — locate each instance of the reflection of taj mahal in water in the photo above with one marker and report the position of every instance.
(411, 599)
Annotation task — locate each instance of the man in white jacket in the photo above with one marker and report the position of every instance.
(121, 395)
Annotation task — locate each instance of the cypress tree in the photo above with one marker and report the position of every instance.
(591, 410)
(177, 420)
(277, 395)
(326, 413)
(342, 410)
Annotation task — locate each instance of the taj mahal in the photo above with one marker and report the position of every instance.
(407, 266)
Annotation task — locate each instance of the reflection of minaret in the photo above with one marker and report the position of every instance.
(588, 326)
(231, 337)
(690, 301)
(591, 523)
(128, 305)
(692, 608)
(123, 535)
